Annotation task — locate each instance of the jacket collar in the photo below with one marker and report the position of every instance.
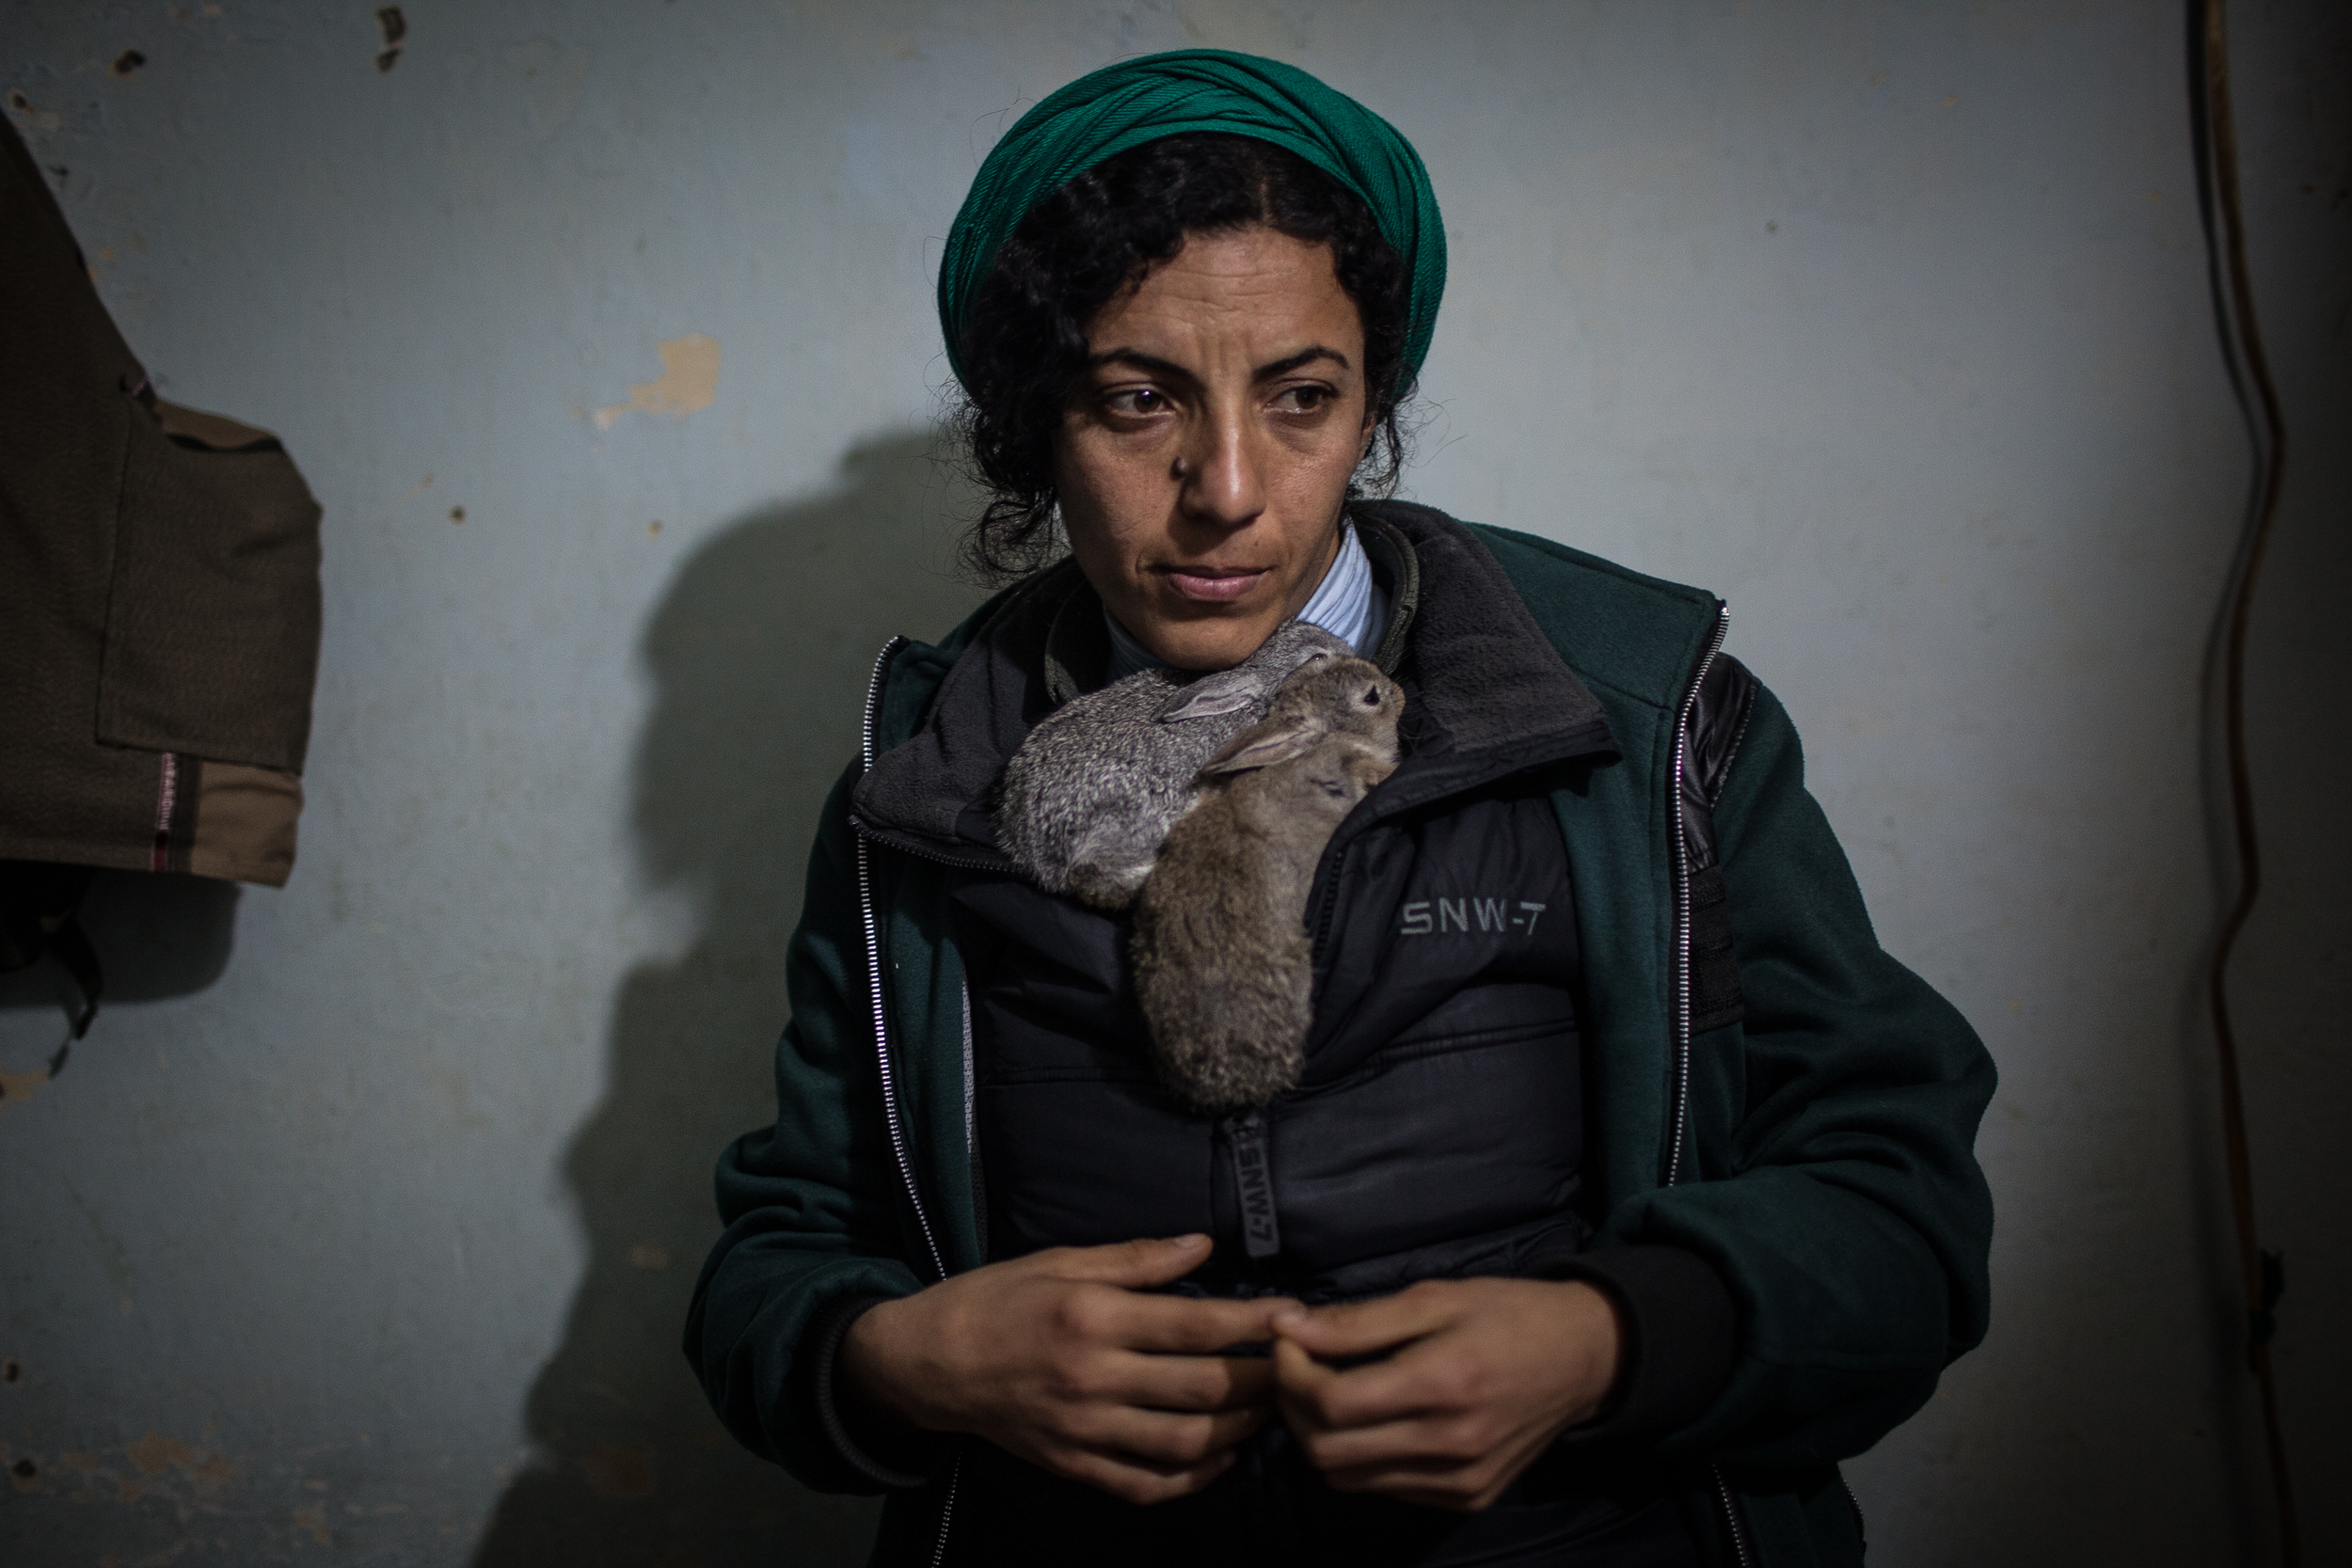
(1486, 695)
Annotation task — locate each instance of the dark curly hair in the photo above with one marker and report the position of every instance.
(1025, 337)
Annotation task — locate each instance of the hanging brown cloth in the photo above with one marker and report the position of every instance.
(159, 601)
(159, 592)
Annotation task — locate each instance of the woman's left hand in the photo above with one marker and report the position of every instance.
(1478, 1376)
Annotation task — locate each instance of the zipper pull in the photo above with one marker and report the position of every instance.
(1254, 1183)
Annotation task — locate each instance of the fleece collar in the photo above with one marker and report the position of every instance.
(1486, 695)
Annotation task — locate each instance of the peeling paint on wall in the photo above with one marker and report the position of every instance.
(183, 1475)
(313, 1520)
(688, 382)
(155, 1453)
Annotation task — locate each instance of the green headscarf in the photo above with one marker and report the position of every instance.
(1123, 105)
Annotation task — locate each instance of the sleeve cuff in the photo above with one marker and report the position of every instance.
(898, 1465)
(1682, 1332)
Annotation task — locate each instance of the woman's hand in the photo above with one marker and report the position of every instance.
(1061, 1358)
(1479, 1376)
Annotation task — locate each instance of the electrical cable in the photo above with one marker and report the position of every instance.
(2217, 206)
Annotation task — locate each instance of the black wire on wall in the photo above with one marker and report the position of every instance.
(2215, 134)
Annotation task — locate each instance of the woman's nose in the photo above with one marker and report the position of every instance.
(1221, 475)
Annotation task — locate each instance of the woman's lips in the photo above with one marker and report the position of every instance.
(1211, 585)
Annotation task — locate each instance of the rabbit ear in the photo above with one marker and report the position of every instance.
(1264, 747)
(1245, 684)
(1227, 691)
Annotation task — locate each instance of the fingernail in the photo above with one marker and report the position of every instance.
(1288, 1317)
(1189, 1239)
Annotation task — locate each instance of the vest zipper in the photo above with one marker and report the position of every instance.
(892, 1120)
(1253, 1185)
(1732, 1520)
(947, 1511)
(937, 857)
(1679, 1022)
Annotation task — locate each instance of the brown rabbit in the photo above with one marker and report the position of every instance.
(1224, 969)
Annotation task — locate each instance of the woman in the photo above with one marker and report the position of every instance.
(1629, 1185)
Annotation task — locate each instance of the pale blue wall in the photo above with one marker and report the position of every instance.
(1887, 322)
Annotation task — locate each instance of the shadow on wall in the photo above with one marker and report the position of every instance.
(760, 653)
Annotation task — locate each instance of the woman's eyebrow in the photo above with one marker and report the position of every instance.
(1307, 356)
(1154, 365)
(1150, 364)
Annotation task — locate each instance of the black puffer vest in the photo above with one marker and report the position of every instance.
(1437, 1130)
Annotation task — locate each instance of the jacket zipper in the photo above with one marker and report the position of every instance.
(892, 1118)
(1681, 1024)
(1732, 1523)
(895, 1122)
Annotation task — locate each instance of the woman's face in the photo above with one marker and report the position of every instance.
(1206, 448)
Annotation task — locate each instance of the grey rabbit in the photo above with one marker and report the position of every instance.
(1089, 797)
(1223, 965)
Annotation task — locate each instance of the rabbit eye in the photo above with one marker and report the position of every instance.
(1372, 696)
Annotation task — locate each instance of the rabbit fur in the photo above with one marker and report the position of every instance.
(1224, 968)
(1089, 797)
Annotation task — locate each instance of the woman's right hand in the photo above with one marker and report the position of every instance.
(1063, 1360)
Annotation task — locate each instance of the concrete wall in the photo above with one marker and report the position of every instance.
(361, 1228)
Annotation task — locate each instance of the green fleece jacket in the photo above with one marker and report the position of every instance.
(1828, 1177)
